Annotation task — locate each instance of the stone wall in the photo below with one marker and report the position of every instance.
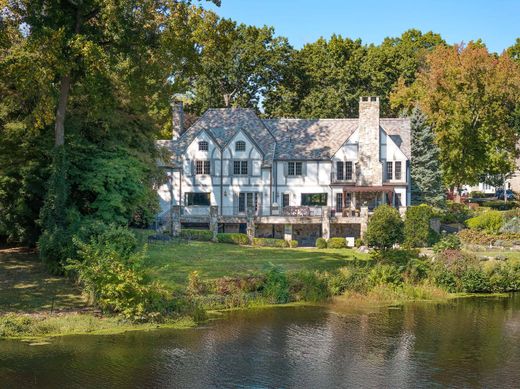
(345, 230)
(369, 171)
(269, 231)
(306, 234)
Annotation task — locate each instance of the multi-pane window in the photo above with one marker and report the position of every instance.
(389, 170)
(398, 200)
(339, 202)
(203, 145)
(398, 169)
(193, 198)
(240, 146)
(240, 168)
(348, 170)
(247, 200)
(202, 167)
(294, 168)
(340, 170)
(314, 199)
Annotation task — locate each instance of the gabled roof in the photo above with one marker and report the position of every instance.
(305, 139)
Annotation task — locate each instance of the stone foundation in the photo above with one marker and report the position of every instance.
(269, 231)
(306, 234)
(345, 230)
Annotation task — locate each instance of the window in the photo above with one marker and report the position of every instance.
(389, 170)
(398, 200)
(202, 167)
(339, 202)
(314, 198)
(339, 171)
(247, 200)
(294, 168)
(203, 146)
(240, 146)
(398, 174)
(240, 168)
(197, 198)
(285, 200)
(348, 170)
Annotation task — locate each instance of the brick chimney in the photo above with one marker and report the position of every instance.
(370, 170)
(177, 119)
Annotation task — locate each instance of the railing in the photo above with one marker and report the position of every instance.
(236, 211)
(302, 211)
(341, 178)
(201, 210)
(195, 210)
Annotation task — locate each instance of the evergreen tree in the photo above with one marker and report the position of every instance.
(425, 171)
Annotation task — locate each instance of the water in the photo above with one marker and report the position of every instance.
(465, 343)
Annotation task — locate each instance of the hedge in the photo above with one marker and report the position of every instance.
(269, 242)
(336, 243)
(483, 238)
(293, 244)
(233, 238)
(321, 243)
(192, 234)
(489, 221)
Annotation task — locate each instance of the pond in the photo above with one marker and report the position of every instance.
(469, 342)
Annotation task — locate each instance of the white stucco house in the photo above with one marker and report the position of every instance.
(285, 178)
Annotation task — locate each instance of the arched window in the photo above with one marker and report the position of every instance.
(240, 146)
(203, 145)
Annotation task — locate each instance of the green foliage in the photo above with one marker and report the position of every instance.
(447, 242)
(489, 221)
(321, 243)
(114, 280)
(293, 244)
(511, 226)
(417, 226)
(478, 237)
(385, 228)
(474, 280)
(501, 205)
(336, 243)
(269, 242)
(455, 213)
(358, 242)
(308, 286)
(193, 234)
(276, 287)
(425, 172)
(234, 238)
(384, 274)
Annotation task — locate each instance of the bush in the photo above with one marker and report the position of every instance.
(455, 213)
(293, 244)
(417, 229)
(358, 242)
(233, 238)
(511, 226)
(200, 235)
(321, 243)
(505, 278)
(352, 278)
(276, 287)
(337, 243)
(308, 286)
(482, 238)
(477, 194)
(384, 274)
(474, 280)
(269, 242)
(447, 242)
(489, 221)
(501, 205)
(385, 228)
(113, 278)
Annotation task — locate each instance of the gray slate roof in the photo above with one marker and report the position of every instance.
(314, 139)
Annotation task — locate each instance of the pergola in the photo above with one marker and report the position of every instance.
(389, 190)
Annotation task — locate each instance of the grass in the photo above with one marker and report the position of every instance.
(25, 286)
(171, 263)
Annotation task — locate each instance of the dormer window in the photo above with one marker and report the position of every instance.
(203, 146)
(240, 145)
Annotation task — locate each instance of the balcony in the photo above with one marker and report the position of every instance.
(307, 211)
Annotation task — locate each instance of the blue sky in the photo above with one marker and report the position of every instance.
(496, 22)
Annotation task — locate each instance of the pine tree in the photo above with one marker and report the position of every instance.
(426, 175)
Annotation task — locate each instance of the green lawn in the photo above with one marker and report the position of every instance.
(171, 263)
(25, 286)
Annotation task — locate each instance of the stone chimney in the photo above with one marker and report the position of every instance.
(177, 119)
(369, 169)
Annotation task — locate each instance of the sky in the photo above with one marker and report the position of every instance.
(496, 22)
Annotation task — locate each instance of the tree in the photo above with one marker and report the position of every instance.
(385, 228)
(417, 229)
(471, 99)
(425, 171)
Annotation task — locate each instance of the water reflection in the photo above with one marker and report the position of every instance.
(464, 343)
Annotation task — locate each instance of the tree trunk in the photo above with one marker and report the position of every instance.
(59, 127)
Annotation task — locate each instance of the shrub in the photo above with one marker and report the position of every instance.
(482, 238)
(384, 274)
(276, 287)
(308, 286)
(385, 228)
(416, 270)
(447, 242)
(477, 194)
(200, 235)
(321, 243)
(505, 278)
(511, 226)
(233, 238)
(293, 244)
(417, 229)
(269, 242)
(398, 257)
(358, 242)
(444, 277)
(195, 285)
(474, 280)
(501, 205)
(115, 282)
(455, 213)
(337, 243)
(489, 221)
(349, 279)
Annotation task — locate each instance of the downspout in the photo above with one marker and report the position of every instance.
(221, 184)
